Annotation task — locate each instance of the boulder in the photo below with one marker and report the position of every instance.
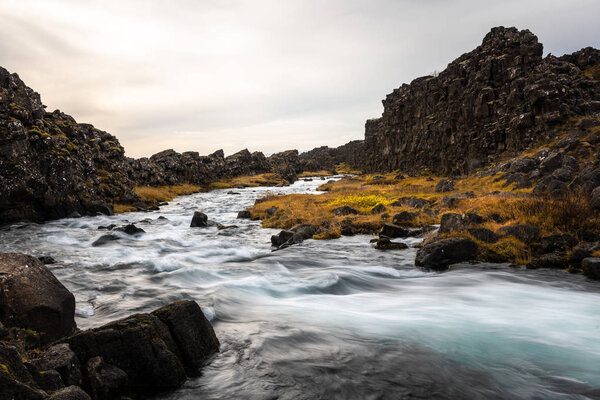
(578, 254)
(305, 230)
(557, 243)
(525, 233)
(393, 231)
(154, 350)
(31, 297)
(348, 230)
(130, 229)
(49, 381)
(105, 381)
(444, 185)
(591, 267)
(595, 198)
(403, 217)
(245, 214)
(105, 239)
(345, 210)
(70, 393)
(451, 222)
(552, 260)
(282, 237)
(441, 254)
(414, 202)
(387, 244)
(378, 209)
(62, 359)
(193, 333)
(199, 220)
(15, 380)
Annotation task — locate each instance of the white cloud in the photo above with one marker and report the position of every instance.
(268, 75)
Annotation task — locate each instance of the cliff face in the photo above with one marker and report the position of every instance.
(501, 97)
(51, 166)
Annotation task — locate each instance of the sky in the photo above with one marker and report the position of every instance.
(267, 75)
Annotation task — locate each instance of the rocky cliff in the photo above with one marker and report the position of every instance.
(502, 97)
(51, 166)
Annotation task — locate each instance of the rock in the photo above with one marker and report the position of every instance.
(378, 209)
(414, 202)
(525, 164)
(63, 360)
(154, 350)
(595, 198)
(47, 260)
(70, 393)
(271, 211)
(32, 298)
(107, 227)
(49, 381)
(15, 380)
(557, 243)
(387, 244)
(484, 235)
(199, 220)
(444, 185)
(451, 222)
(551, 260)
(282, 237)
(222, 227)
(348, 230)
(403, 217)
(345, 210)
(525, 233)
(552, 162)
(193, 333)
(305, 230)
(578, 254)
(441, 254)
(591, 267)
(105, 239)
(100, 209)
(245, 214)
(393, 231)
(105, 381)
(130, 229)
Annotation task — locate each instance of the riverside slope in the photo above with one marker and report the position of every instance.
(330, 319)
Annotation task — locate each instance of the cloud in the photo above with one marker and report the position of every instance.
(268, 75)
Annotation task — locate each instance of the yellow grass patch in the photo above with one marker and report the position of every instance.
(166, 193)
(248, 181)
(123, 208)
(307, 174)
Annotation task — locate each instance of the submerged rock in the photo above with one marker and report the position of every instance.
(387, 244)
(245, 214)
(441, 254)
(393, 231)
(31, 297)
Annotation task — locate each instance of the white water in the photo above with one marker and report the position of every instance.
(331, 319)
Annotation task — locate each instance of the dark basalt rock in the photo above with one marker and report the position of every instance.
(305, 230)
(403, 217)
(154, 350)
(105, 239)
(287, 238)
(393, 231)
(345, 210)
(525, 233)
(484, 235)
(70, 393)
(130, 229)
(105, 381)
(63, 360)
(31, 297)
(444, 185)
(552, 260)
(557, 243)
(387, 244)
(441, 254)
(591, 267)
(414, 202)
(199, 220)
(378, 209)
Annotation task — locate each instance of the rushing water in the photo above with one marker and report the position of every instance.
(331, 319)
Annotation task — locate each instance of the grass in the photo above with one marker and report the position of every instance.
(166, 193)
(310, 174)
(248, 181)
(123, 208)
(593, 72)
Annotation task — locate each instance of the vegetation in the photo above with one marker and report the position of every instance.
(248, 181)
(166, 193)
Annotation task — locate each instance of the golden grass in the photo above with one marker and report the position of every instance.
(248, 181)
(123, 208)
(593, 72)
(166, 193)
(308, 174)
(344, 168)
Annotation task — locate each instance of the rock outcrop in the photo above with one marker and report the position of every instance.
(502, 97)
(50, 165)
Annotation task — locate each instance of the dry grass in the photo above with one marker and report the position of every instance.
(166, 193)
(248, 181)
(308, 174)
(123, 208)
(593, 72)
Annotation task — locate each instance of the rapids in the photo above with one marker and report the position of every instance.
(330, 319)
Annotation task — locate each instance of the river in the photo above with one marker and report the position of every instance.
(330, 319)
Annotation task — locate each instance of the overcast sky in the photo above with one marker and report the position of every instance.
(264, 75)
